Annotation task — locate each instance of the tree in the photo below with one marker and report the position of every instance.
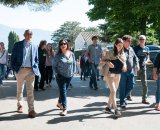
(33, 4)
(69, 30)
(12, 39)
(92, 29)
(128, 16)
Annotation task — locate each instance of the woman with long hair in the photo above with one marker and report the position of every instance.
(49, 60)
(116, 63)
(64, 65)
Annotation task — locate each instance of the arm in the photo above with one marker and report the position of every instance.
(147, 58)
(156, 65)
(136, 60)
(74, 64)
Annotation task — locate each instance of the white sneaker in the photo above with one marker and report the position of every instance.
(63, 113)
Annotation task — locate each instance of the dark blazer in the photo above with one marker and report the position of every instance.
(17, 57)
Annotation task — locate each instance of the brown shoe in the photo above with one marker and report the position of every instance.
(19, 110)
(32, 114)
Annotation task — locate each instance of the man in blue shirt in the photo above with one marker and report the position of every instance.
(127, 78)
(24, 62)
(142, 53)
(95, 54)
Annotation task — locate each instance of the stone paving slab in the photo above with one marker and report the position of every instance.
(85, 109)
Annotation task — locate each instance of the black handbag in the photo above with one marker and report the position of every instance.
(118, 66)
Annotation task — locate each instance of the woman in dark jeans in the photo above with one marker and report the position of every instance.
(49, 60)
(41, 65)
(64, 65)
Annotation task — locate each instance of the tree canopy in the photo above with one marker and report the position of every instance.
(127, 16)
(70, 30)
(33, 4)
(12, 39)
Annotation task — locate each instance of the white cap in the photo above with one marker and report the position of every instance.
(142, 37)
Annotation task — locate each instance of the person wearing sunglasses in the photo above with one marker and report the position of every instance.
(142, 53)
(64, 65)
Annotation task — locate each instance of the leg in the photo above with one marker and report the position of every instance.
(94, 75)
(113, 83)
(36, 83)
(42, 71)
(122, 88)
(50, 74)
(130, 84)
(29, 87)
(20, 85)
(62, 90)
(47, 74)
(109, 81)
(158, 92)
(144, 84)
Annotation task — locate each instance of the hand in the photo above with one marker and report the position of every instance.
(155, 76)
(124, 69)
(137, 67)
(144, 63)
(104, 58)
(110, 65)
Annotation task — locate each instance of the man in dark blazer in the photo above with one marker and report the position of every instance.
(24, 62)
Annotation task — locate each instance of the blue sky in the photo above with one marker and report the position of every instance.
(67, 10)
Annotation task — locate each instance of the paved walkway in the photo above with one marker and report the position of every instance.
(85, 109)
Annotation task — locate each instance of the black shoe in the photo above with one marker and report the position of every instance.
(84, 79)
(117, 113)
(123, 107)
(108, 110)
(96, 88)
(145, 102)
(129, 98)
(98, 79)
(42, 89)
(81, 78)
(90, 85)
(36, 89)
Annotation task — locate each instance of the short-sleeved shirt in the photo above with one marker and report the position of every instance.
(142, 54)
(157, 62)
(95, 53)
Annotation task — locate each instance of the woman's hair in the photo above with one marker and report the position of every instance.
(42, 43)
(49, 51)
(119, 40)
(59, 45)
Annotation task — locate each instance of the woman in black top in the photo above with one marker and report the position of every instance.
(116, 63)
(42, 61)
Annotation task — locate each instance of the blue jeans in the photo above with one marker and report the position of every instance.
(126, 85)
(63, 84)
(93, 79)
(2, 72)
(158, 92)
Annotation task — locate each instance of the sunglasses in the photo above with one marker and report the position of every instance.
(63, 44)
(29, 34)
(141, 39)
